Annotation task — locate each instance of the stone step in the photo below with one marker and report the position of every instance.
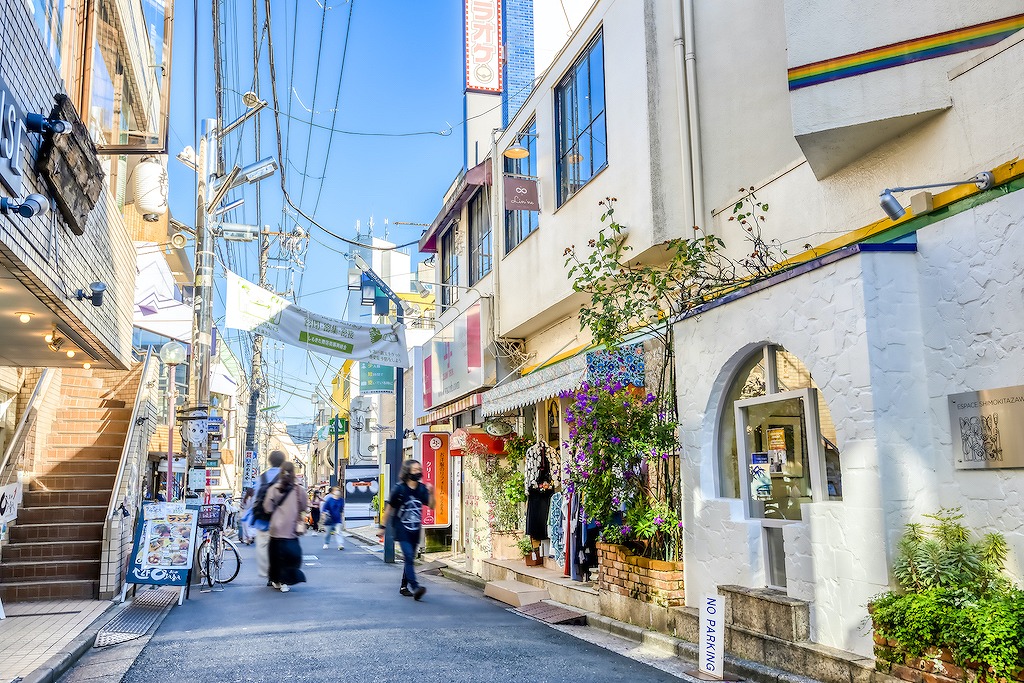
(57, 454)
(106, 438)
(25, 591)
(72, 482)
(75, 414)
(93, 426)
(54, 531)
(88, 403)
(38, 513)
(50, 570)
(515, 593)
(83, 466)
(53, 551)
(93, 498)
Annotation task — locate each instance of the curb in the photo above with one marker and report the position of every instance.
(58, 664)
(465, 578)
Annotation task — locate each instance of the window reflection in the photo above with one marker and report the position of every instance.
(579, 111)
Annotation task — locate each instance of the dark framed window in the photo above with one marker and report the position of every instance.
(479, 236)
(449, 268)
(581, 142)
(520, 224)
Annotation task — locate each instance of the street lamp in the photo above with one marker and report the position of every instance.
(392, 453)
(894, 210)
(172, 354)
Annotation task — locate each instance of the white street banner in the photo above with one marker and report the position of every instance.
(250, 307)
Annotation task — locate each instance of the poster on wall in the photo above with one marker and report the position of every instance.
(362, 483)
(153, 573)
(987, 428)
(434, 454)
(785, 446)
(760, 477)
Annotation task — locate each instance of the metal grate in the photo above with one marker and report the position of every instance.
(552, 614)
(135, 621)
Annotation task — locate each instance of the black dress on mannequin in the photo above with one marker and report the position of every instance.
(538, 500)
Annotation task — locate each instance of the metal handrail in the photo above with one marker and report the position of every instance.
(27, 418)
(133, 423)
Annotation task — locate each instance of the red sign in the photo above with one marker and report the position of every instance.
(434, 457)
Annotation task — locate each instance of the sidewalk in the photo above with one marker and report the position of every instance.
(33, 632)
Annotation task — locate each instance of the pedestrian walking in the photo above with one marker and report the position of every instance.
(333, 515)
(405, 513)
(314, 511)
(245, 532)
(259, 519)
(287, 502)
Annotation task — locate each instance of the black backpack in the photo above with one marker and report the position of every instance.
(258, 513)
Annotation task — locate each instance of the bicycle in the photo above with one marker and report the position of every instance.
(217, 557)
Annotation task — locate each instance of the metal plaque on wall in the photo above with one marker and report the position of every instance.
(988, 428)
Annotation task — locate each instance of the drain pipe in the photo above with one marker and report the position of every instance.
(689, 122)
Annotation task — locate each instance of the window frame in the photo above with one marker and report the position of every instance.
(449, 267)
(481, 236)
(569, 157)
(515, 220)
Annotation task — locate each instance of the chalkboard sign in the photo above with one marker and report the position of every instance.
(165, 541)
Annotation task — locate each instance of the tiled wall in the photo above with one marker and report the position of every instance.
(518, 57)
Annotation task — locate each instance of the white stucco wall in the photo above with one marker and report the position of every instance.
(886, 337)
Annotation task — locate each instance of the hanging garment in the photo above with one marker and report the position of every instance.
(538, 505)
(556, 529)
(534, 463)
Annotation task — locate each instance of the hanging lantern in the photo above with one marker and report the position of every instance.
(150, 189)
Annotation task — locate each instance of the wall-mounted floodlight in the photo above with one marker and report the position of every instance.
(33, 205)
(894, 210)
(95, 295)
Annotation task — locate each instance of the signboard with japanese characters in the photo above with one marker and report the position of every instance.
(165, 543)
(483, 46)
(434, 453)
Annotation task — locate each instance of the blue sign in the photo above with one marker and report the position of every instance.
(160, 576)
(376, 379)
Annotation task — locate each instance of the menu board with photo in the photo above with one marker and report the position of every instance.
(169, 538)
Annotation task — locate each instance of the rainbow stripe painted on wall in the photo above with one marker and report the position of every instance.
(906, 52)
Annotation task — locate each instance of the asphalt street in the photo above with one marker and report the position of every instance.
(349, 623)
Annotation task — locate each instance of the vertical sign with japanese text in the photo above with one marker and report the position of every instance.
(483, 46)
(434, 450)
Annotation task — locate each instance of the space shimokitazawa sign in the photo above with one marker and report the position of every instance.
(252, 308)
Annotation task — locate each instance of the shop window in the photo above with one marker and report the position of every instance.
(521, 224)
(449, 268)
(773, 370)
(580, 135)
(479, 237)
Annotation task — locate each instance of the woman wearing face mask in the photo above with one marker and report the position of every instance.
(405, 505)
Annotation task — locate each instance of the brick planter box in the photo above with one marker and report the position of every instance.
(653, 581)
(936, 666)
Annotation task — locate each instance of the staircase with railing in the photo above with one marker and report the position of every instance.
(73, 469)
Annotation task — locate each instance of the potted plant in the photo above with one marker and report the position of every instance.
(956, 613)
(530, 552)
(503, 492)
(375, 506)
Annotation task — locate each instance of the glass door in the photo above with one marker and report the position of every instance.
(781, 466)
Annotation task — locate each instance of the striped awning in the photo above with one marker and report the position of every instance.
(453, 408)
(539, 385)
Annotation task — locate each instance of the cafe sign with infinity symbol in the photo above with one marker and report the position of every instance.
(521, 194)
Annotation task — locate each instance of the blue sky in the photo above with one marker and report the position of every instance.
(402, 74)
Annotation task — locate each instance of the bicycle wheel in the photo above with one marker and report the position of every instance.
(230, 563)
(203, 556)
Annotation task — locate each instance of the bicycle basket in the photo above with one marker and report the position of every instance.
(211, 515)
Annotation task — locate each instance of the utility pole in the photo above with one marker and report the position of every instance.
(257, 381)
(202, 295)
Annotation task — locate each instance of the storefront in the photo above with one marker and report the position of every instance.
(815, 414)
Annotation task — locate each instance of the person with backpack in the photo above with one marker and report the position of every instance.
(405, 512)
(260, 517)
(287, 501)
(333, 515)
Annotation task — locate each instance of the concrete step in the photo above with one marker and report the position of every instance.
(37, 513)
(54, 531)
(109, 438)
(24, 591)
(51, 499)
(80, 381)
(53, 551)
(93, 426)
(50, 570)
(72, 482)
(106, 466)
(515, 593)
(89, 403)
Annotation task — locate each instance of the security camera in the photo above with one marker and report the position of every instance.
(96, 289)
(37, 123)
(34, 205)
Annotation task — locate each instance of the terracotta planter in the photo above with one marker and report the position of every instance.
(654, 581)
(534, 558)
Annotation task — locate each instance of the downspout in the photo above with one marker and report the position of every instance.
(689, 122)
(679, 46)
(694, 120)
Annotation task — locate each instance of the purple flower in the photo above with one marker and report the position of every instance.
(615, 500)
(680, 525)
(650, 399)
(626, 530)
(658, 521)
(617, 387)
(573, 433)
(664, 456)
(625, 404)
(615, 440)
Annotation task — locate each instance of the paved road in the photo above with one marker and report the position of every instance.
(348, 623)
